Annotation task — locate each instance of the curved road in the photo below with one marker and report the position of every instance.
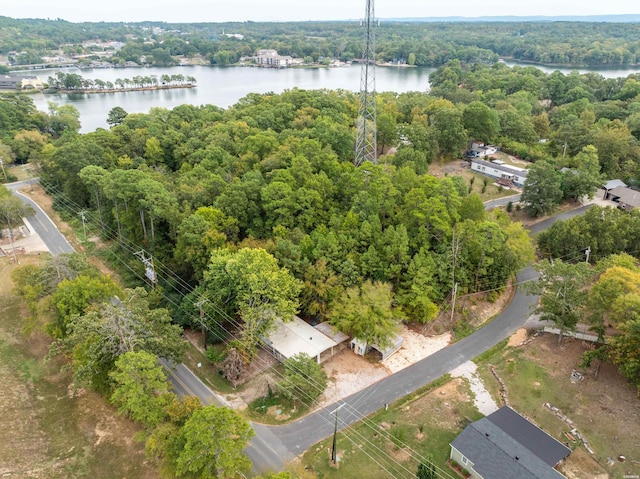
(274, 446)
(300, 435)
(41, 223)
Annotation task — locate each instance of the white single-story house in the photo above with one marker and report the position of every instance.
(497, 169)
(505, 445)
(360, 346)
(293, 337)
(480, 150)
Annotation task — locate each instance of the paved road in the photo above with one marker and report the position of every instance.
(41, 223)
(302, 434)
(489, 205)
(275, 446)
(543, 225)
(266, 452)
(285, 442)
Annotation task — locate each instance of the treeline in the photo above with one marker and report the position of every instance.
(73, 81)
(424, 44)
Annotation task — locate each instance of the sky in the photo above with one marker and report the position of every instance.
(297, 10)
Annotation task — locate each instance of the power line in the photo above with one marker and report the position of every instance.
(71, 206)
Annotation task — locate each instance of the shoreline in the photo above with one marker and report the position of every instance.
(116, 90)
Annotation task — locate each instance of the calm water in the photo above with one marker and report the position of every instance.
(222, 87)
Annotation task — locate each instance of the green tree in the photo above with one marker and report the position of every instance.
(542, 190)
(321, 286)
(140, 388)
(585, 178)
(213, 441)
(252, 285)
(96, 339)
(481, 122)
(562, 294)
(304, 379)
(116, 116)
(427, 470)
(472, 208)
(367, 313)
(450, 132)
(74, 296)
(418, 292)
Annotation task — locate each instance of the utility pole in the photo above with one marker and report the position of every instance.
(335, 434)
(200, 305)
(84, 223)
(3, 172)
(453, 305)
(149, 270)
(366, 143)
(587, 252)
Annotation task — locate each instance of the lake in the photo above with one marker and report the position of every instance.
(220, 86)
(224, 86)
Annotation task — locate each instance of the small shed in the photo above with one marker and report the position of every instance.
(297, 336)
(360, 346)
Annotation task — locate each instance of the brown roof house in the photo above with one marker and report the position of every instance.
(505, 445)
(626, 198)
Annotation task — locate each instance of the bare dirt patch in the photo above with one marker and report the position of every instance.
(440, 405)
(415, 347)
(349, 373)
(517, 338)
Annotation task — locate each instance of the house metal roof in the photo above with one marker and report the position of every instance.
(504, 445)
(512, 170)
(611, 184)
(296, 337)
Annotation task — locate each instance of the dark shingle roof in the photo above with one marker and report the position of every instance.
(504, 445)
(529, 435)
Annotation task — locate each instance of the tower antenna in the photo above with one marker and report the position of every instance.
(366, 144)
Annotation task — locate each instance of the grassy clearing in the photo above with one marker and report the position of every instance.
(50, 430)
(410, 429)
(485, 186)
(207, 372)
(275, 409)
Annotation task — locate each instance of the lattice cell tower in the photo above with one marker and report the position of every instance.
(366, 145)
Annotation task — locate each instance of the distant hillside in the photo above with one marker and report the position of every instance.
(627, 18)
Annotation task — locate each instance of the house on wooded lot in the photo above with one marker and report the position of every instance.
(505, 174)
(297, 336)
(626, 198)
(480, 150)
(610, 185)
(505, 445)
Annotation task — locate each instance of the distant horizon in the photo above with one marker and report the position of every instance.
(271, 11)
(607, 18)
